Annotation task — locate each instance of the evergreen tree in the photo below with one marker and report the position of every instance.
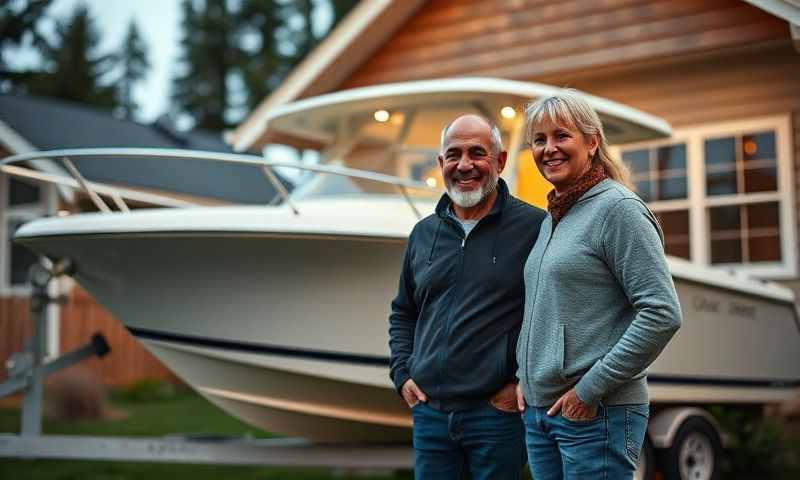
(18, 21)
(73, 68)
(264, 65)
(133, 62)
(209, 59)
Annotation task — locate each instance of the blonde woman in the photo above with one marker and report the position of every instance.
(600, 304)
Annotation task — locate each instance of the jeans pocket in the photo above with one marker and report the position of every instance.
(600, 415)
(636, 417)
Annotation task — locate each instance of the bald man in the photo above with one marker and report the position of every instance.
(456, 318)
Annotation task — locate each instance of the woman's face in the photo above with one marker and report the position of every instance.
(561, 153)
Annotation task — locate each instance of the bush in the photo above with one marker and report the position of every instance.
(150, 389)
(757, 442)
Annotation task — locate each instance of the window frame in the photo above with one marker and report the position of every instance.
(47, 204)
(698, 202)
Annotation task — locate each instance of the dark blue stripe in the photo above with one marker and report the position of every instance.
(249, 347)
(379, 361)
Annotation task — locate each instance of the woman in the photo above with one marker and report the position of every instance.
(600, 304)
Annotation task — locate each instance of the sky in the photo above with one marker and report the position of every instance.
(159, 25)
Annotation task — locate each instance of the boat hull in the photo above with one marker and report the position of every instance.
(289, 332)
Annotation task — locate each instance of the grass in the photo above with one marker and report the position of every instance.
(184, 413)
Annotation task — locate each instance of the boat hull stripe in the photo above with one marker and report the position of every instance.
(374, 360)
(249, 347)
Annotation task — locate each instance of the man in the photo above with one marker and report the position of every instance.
(455, 321)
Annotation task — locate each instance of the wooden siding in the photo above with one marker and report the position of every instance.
(537, 39)
(81, 317)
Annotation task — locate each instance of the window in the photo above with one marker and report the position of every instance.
(723, 194)
(20, 202)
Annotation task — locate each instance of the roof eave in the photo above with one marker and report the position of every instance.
(370, 24)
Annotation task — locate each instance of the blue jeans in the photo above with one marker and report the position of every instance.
(484, 441)
(604, 448)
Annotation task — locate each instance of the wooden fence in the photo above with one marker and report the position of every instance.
(81, 317)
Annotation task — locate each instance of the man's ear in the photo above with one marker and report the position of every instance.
(501, 161)
(441, 161)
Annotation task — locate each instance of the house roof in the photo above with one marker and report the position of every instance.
(40, 123)
(357, 37)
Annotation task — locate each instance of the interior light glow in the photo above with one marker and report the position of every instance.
(62, 213)
(431, 182)
(381, 115)
(508, 112)
(750, 147)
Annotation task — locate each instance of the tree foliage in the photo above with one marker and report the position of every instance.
(133, 65)
(18, 22)
(235, 53)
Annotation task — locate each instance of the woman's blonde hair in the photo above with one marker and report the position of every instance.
(569, 108)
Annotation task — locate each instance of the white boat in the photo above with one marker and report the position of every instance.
(278, 314)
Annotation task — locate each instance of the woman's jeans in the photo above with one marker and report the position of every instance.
(604, 448)
(480, 443)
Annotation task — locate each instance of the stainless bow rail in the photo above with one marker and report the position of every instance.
(97, 190)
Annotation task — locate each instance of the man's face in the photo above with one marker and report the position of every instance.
(469, 166)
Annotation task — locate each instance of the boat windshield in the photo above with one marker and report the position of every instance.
(403, 144)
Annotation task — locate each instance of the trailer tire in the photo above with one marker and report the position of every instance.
(695, 454)
(647, 460)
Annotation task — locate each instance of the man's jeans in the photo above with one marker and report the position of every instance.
(605, 448)
(484, 441)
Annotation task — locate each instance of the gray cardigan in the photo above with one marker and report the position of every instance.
(600, 304)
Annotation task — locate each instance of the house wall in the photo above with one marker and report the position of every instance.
(692, 63)
(543, 39)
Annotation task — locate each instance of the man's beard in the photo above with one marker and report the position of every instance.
(471, 198)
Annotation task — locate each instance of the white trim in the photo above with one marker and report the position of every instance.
(333, 48)
(785, 9)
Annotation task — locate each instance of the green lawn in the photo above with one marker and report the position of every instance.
(185, 413)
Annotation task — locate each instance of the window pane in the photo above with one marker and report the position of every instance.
(22, 192)
(765, 249)
(721, 183)
(761, 180)
(672, 157)
(678, 249)
(725, 219)
(671, 188)
(763, 215)
(760, 146)
(21, 258)
(726, 251)
(721, 151)
(674, 223)
(643, 189)
(637, 160)
(676, 232)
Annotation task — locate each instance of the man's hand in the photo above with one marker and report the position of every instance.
(506, 399)
(573, 408)
(412, 394)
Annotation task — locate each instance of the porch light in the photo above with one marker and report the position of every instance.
(508, 112)
(62, 213)
(381, 115)
(431, 182)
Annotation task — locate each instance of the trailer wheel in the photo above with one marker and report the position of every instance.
(647, 460)
(695, 454)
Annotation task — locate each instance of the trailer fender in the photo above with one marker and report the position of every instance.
(664, 426)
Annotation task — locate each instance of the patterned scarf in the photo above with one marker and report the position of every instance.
(559, 206)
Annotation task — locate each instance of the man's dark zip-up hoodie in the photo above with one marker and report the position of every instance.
(457, 315)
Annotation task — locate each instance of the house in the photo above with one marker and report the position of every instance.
(33, 124)
(724, 73)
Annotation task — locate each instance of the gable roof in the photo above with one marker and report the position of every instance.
(352, 43)
(38, 123)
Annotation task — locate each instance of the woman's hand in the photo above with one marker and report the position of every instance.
(520, 398)
(573, 407)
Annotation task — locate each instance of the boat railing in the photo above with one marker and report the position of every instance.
(97, 190)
